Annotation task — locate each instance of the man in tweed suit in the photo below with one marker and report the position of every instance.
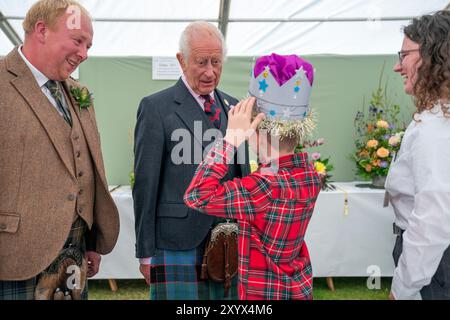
(170, 236)
(54, 199)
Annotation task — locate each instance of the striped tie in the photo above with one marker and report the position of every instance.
(212, 110)
(56, 93)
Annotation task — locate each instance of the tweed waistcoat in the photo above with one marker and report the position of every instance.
(82, 166)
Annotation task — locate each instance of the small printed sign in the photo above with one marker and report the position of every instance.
(165, 68)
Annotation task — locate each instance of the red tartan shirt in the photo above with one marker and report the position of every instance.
(273, 208)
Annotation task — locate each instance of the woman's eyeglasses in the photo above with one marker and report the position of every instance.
(402, 54)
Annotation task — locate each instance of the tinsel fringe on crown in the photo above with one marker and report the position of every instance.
(299, 129)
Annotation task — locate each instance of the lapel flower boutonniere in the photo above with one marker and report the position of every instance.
(82, 96)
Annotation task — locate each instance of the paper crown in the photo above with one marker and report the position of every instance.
(282, 86)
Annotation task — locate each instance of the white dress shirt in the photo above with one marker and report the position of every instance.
(41, 80)
(196, 96)
(419, 187)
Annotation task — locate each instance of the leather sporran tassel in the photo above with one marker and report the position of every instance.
(204, 271)
(227, 283)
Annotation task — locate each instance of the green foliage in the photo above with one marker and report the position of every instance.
(82, 96)
(132, 179)
(353, 288)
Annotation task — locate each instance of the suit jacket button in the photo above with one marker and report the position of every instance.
(3, 226)
(70, 197)
(80, 210)
(78, 153)
(80, 173)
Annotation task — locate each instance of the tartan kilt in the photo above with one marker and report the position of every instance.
(175, 275)
(24, 289)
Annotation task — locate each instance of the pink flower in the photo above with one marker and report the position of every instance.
(394, 140)
(315, 156)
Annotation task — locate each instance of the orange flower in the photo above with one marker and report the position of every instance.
(376, 163)
(368, 168)
(372, 143)
(382, 152)
(369, 128)
(382, 124)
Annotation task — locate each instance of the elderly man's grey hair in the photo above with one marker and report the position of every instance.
(197, 27)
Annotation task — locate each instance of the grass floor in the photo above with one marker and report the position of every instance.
(345, 289)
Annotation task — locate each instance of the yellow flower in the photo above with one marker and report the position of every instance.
(382, 152)
(320, 167)
(372, 143)
(382, 124)
(253, 166)
(84, 93)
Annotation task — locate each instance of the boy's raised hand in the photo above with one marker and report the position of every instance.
(240, 125)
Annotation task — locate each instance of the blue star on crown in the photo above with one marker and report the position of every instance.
(263, 85)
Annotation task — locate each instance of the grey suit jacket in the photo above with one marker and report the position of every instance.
(162, 220)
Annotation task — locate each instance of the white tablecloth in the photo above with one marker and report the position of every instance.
(353, 244)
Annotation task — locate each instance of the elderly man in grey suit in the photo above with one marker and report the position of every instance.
(173, 129)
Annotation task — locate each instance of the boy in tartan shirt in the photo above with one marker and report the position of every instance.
(273, 206)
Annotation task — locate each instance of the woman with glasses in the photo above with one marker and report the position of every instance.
(418, 183)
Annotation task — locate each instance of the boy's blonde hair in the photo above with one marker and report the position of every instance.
(48, 11)
(288, 144)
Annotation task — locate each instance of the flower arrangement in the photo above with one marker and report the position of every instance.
(322, 165)
(379, 135)
(82, 96)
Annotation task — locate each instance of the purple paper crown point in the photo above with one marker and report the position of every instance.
(283, 68)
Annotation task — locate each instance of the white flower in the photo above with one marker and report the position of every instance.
(320, 141)
(395, 139)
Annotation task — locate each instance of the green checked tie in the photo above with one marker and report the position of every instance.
(56, 93)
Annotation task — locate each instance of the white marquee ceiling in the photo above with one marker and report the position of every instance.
(152, 27)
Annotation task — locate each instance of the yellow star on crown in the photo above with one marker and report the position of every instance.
(266, 71)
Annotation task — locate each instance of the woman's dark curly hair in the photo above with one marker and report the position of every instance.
(431, 33)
